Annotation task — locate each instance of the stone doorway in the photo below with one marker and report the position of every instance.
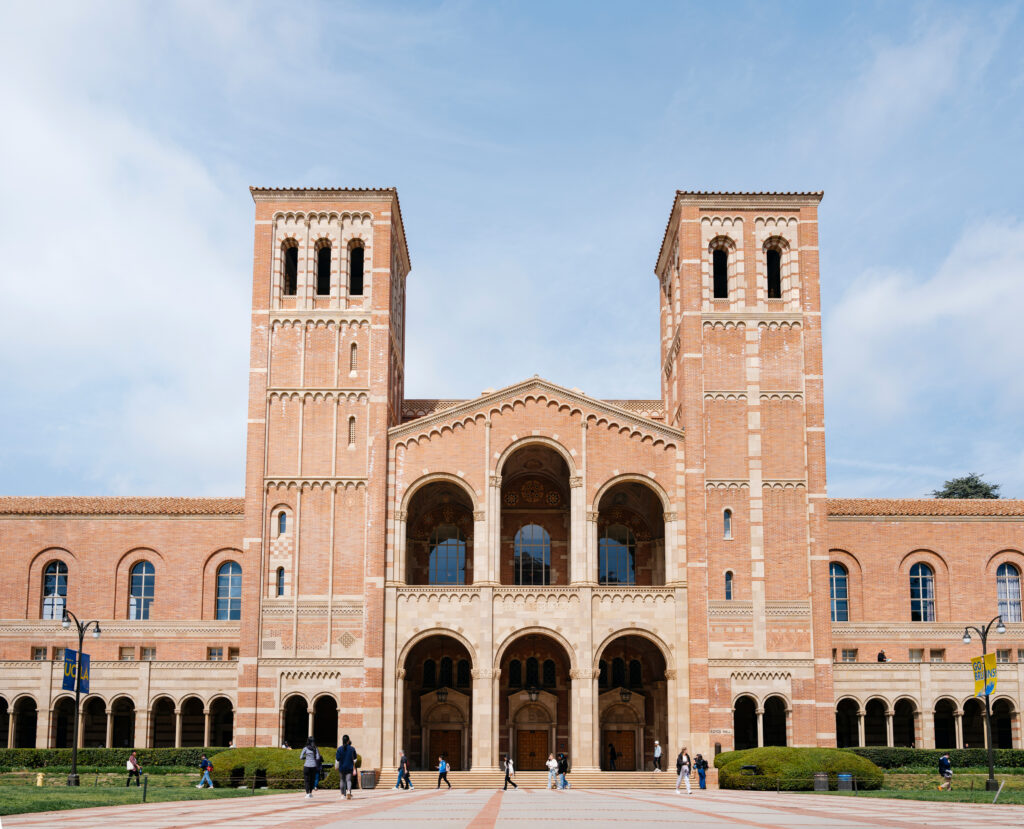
(531, 749)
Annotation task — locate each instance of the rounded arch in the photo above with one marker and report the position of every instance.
(452, 712)
(632, 477)
(211, 564)
(570, 652)
(850, 698)
(775, 242)
(27, 695)
(945, 698)
(1005, 556)
(413, 641)
(37, 564)
(433, 478)
(722, 241)
(878, 698)
(926, 556)
(122, 576)
(653, 638)
(908, 699)
(539, 440)
(290, 695)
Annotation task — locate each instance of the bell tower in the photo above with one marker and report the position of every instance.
(742, 375)
(327, 369)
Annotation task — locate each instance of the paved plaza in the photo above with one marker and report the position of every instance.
(483, 809)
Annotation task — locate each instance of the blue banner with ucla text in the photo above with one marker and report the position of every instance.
(70, 668)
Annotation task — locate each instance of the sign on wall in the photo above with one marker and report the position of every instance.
(70, 667)
(984, 668)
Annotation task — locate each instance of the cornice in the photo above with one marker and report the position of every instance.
(327, 315)
(928, 519)
(793, 317)
(122, 627)
(947, 631)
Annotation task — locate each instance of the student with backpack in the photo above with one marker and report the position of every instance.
(205, 766)
(442, 771)
(346, 760)
(563, 770)
(311, 761)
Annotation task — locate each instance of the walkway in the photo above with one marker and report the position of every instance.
(484, 809)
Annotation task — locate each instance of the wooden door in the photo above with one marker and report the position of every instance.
(531, 750)
(446, 742)
(625, 746)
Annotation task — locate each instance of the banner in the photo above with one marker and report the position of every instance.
(984, 668)
(70, 667)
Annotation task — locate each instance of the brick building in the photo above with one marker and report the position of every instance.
(528, 571)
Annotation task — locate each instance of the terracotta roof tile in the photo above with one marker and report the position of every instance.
(924, 506)
(119, 505)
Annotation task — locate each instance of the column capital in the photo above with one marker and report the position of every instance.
(670, 673)
(496, 480)
(401, 515)
(592, 516)
(400, 673)
(576, 481)
(484, 673)
(670, 516)
(582, 673)
(479, 515)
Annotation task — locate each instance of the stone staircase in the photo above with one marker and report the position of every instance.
(583, 779)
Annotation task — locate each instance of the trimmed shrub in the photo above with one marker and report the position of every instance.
(793, 769)
(38, 758)
(274, 768)
(895, 758)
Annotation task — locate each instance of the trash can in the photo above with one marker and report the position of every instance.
(820, 781)
(367, 779)
(845, 782)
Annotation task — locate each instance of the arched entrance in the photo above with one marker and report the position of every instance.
(847, 731)
(533, 711)
(774, 721)
(439, 535)
(437, 699)
(744, 723)
(325, 721)
(5, 723)
(63, 723)
(25, 717)
(295, 721)
(1002, 723)
(193, 722)
(973, 724)
(875, 731)
(222, 722)
(94, 723)
(945, 730)
(535, 525)
(904, 724)
(162, 725)
(630, 536)
(632, 703)
(122, 734)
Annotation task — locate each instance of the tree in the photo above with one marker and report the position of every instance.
(969, 486)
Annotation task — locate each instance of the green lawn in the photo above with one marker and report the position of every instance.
(1009, 796)
(19, 799)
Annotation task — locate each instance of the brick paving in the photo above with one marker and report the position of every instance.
(488, 809)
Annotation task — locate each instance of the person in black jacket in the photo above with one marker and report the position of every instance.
(563, 770)
(510, 772)
(946, 772)
(613, 755)
(701, 765)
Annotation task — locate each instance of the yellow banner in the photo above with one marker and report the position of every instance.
(984, 668)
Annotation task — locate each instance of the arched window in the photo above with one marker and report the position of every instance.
(445, 678)
(515, 674)
(430, 674)
(229, 591)
(355, 269)
(773, 262)
(720, 269)
(141, 590)
(55, 590)
(290, 277)
(839, 592)
(352, 431)
(532, 672)
(282, 522)
(323, 269)
(728, 585)
(727, 524)
(1008, 590)
(532, 555)
(462, 675)
(602, 674)
(353, 357)
(922, 593)
(447, 556)
(618, 672)
(616, 556)
(280, 581)
(636, 674)
(548, 673)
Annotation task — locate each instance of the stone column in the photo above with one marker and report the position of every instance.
(482, 751)
(177, 728)
(674, 740)
(481, 549)
(593, 557)
(495, 718)
(889, 739)
(12, 725)
(399, 715)
(577, 533)
(400, 573)
(760, 726)
(959, 728)
(582, 716)
(109, 737)
(494, 529)
(309, 721)
(927, 730)
(81, 727)
(143, 729)
(206, 726)
(860, 727)
(671, 562)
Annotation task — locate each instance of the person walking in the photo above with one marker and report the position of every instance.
(345, 757)
(701, 765)
(683, 765)
(404, 781)
(134, 770)
(442, 771)
(945, 772)
(510, 772)
(311, 759)
(613, 755)
(563, 770)
(552, 765)
(205, 766)
(657, 756)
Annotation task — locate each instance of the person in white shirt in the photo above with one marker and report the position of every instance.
(552, 765)
(657, 756)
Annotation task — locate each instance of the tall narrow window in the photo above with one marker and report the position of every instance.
(1008, 590)
(141, 590)
(282, 522)
(532, 555)
(515, 674)
(447, 556)
(353, 357)
(290, 286)
(352, 431)
(839, 592)
(548, 673)
(323, 270)
(720, 270)
(430, 674)
(922, 593)
(446, 679)
(229, 591)
(55, 590)
(636, 674)
(727, 524)
(462, 674)
(280, 581)
(728, 585)
(773, 262)
(532, 672)
(616, 556)
(355, 269)
(602, 674)
(618, 672)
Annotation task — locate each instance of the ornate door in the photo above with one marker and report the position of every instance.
(531, 750)
(625, 747)
(447, 742)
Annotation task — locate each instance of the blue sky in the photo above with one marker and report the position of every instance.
(536, 148)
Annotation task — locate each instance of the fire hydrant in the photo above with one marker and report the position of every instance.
(39, 779)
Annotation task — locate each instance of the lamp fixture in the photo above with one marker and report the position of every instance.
(442, 695)
(1000, 628)
(532, 693)
(625, 694)
(967, 636)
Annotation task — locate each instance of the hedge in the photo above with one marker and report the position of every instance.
(275, 768)
(793, 769)
(894, 758)
(35, 758)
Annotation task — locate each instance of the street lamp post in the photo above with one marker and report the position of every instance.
(990, 785)
(82, 628)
